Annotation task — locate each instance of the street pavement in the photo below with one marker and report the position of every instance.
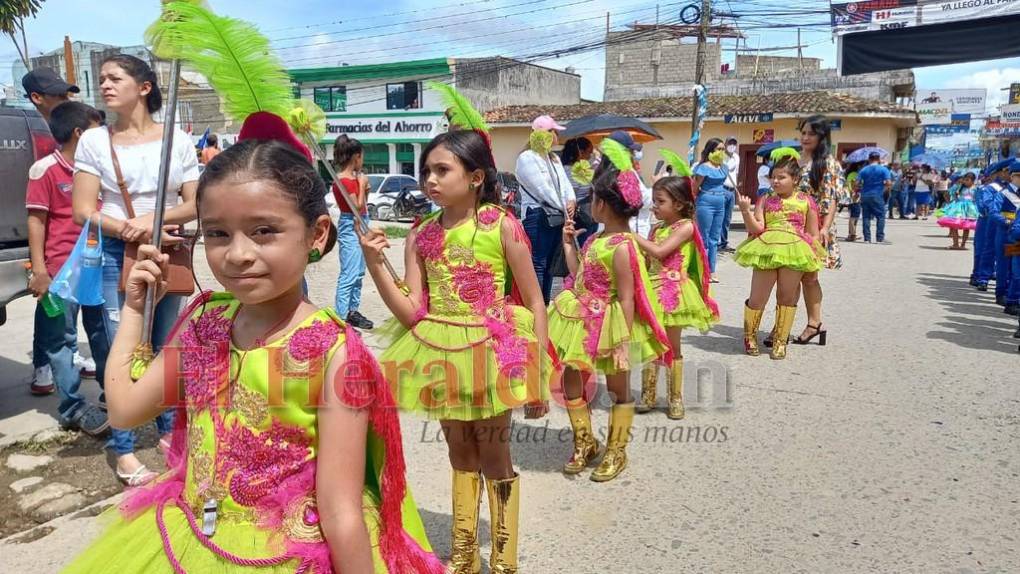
(892, 449)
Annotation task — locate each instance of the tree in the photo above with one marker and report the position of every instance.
(12, 23)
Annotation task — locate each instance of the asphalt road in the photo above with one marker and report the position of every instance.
(892, 449)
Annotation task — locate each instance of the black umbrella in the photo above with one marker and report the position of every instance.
(601, 125)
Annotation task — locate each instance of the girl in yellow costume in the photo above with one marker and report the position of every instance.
(607, 317)
(782, 246)
(469, 346)
(677, 265)
(286, 454)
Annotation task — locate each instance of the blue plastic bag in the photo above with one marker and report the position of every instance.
(80, 280)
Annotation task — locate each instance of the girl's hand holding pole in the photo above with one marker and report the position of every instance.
(148, 273)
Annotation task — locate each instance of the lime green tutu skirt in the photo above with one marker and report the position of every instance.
(134, 546)
(614, 350)
(691, 310)
(778, 249)
(446, 367)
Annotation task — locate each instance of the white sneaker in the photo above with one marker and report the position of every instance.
(85, 365)
(42, 381)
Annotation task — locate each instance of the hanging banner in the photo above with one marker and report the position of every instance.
(1010, 114)
(950, 12)
(934, 113)
(969, 101)
(1014, 93)
(748, 118)
(873, 15)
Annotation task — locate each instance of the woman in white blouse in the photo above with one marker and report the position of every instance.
(129, 89)
(547, 199)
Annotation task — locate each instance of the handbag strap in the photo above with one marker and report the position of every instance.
(120, 178)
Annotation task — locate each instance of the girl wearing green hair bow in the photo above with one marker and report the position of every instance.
(782, 246)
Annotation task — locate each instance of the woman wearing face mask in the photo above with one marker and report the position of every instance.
(710, 175)
(733, 167)
(547, 198)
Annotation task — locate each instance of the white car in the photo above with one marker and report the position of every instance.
(383, 192)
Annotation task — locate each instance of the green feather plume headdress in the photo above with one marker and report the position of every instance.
(462, 113)
(460, 110)
(680, 166)
(783, 153)
(230, 53)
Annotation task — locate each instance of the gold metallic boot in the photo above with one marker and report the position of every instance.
(586, 447)
(467, 493)
(615, 460)
(504, 508)
(649, 378)
(752, 319)
(784, 322)
(675, 382)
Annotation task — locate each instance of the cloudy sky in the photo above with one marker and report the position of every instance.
(313, 33)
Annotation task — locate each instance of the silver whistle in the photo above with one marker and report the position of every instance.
(209, 517)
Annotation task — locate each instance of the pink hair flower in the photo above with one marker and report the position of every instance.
(630, 188)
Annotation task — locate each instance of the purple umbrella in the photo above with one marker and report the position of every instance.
(861, 154)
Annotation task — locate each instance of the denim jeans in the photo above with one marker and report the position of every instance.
(724, 235)
(545, 244)
(911, 202)
(58, 338)
(710, 210)
(123, 441)
(352, 266)
(873, 207)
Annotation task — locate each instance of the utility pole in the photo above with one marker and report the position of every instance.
(699, 66)
(69, 61)
(800, 54)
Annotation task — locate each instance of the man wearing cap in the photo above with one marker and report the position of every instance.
(1011, 198)
(1002, 208)
(547, 198)
(730, 185)
(47, 90)
(642, 224)
(984, 235)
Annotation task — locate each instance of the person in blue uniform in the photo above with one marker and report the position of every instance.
(984, 235)
(1002, 209)
(1011, 199)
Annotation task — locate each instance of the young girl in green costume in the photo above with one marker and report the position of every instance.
(677, 265)
(607, 317)
(471, 339)
(782, 246)
(286, 455)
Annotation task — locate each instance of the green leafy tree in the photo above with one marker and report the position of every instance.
(12, 23)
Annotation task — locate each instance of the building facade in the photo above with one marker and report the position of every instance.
(391, 111)
(753, 120)
(659, 61)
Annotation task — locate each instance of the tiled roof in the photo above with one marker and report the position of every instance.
(793, 103)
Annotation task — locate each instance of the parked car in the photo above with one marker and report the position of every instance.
(393, 197)
(24, 139)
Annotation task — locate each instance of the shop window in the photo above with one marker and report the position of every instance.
(331, 99)
(403, 96)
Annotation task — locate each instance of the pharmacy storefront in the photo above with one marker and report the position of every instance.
(385, 106)
(393, 142)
